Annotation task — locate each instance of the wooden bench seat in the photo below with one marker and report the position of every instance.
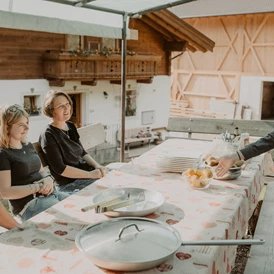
(261, 259)
(130, 136)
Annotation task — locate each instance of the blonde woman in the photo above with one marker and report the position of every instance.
(72, 167)
(22, 180)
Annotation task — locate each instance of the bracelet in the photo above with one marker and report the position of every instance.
(30, 185)
(238, 155)
(49, 175)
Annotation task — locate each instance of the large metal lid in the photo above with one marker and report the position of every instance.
(154, 240)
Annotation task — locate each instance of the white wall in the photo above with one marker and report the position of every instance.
(96, 108)
(251, 92)
(12, 92)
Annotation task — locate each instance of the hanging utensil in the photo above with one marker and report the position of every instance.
(135, 244)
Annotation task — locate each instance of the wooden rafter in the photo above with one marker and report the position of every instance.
(166, 34)
(175, 46)
(175, 29)
(191, 32)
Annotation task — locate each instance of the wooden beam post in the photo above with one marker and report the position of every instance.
(145, 81)
(115, 82)
(175, 46)
(89, 83)
(56, 83)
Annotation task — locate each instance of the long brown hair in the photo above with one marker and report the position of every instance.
(9, 115)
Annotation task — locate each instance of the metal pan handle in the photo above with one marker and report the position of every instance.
(225, 242)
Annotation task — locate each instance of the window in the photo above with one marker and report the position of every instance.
(131, 103)
(32, 104)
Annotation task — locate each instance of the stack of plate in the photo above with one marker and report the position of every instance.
(177, 162)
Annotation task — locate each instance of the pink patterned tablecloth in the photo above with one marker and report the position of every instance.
(46, 243)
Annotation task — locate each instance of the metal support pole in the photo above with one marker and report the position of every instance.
(123, 88)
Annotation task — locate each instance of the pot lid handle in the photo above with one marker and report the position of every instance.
(124, 228)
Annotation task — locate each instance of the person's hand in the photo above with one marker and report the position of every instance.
(47, 187)
(225, 163)
(101, 168)
(96, 174)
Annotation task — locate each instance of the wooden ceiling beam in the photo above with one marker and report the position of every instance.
(115, 82)
(193, 31)
(192, 49)
(145, 81)
(175, 46)
(89, 83)
(181, 25)
(175, 31)
(56, 83)
(166, 34)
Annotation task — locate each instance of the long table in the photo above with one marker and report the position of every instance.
(46, 243)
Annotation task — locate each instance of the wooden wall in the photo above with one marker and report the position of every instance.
(244, 46)
(21, 52)
(150, 41)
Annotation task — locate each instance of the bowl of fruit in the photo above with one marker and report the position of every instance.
(198, 178)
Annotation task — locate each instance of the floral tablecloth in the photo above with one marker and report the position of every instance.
(46, 243)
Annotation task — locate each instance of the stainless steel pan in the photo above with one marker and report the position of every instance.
(135, 244)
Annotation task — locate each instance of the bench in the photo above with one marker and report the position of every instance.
(261, 259)
(136, 135)
(190, 126)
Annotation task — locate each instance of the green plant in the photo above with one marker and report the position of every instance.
(32, 110)
(82, 52)
(130, 112)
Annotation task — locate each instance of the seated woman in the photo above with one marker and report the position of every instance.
(22, 180)
(71, 166)
(6, 220)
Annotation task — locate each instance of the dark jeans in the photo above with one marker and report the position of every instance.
(75, 186)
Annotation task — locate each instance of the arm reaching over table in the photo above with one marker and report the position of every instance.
(225, 163)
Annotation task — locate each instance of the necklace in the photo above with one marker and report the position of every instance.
(66, 132)
(24, 152)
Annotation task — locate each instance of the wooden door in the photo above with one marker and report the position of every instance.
(76, 116)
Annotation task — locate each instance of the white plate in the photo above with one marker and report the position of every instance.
(153, 200)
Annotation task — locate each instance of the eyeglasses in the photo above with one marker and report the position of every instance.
(63, 106)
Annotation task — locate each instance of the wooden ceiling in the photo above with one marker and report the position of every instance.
(173, 29)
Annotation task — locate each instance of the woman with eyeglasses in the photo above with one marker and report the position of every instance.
(24, 183)
(71, 166)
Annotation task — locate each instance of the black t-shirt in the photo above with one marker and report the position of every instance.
(24, 165)
(63, 148)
